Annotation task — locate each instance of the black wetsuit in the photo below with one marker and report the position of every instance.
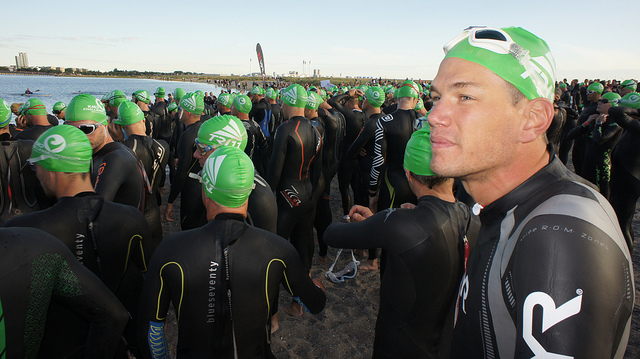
(391, 136)
(256, 145)
(333, 127)
(111, 240)
(117, 176)
(21, 191)
(571, 122)
(425, 262)
(32, 133)
(625, 169)
(579, 143)
(151, 123)
(165, 123)
(260, 112)
(354, 121)
(277, 117)
(39, 274)
(153, 155)
(226, 269)
(366, 141)
(293, 173)
(262, 206)
(550, 273)
(554, 132)
(190, 190)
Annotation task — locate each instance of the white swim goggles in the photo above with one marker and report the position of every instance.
(349, 271)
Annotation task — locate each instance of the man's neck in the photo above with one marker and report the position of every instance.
(372, 111)
(39, 121)
(73, 187)
(486, 188)
(444, 191)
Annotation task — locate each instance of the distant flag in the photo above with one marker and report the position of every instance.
(260, 61)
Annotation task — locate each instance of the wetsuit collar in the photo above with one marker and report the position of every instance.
(236, 216)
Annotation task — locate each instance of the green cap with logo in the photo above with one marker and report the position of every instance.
(5, 113)
(314, 100)
(597, 87)
(613, 98)
(513, 53)
(178, 93)
(632, 99)
(199, 93)
(271, 93)
(562, 85)
(294, 96)
(417, 154)
(128, 114)
(63, 148)
(419, 105)
(85, 107)
(225, 130)
(389, 90)
(375, 96)
(172, 107)
(225, 99)
(257, 90)
(629, 84)
(159, 92)
(227, 176)
(408, 89)
(242, 103)
(142, 96)
(34, 107)
(193, 103)
(59, 106)
(115, 98)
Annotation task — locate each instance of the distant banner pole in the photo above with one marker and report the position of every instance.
(260, 61)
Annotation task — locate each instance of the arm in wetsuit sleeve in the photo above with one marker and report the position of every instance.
(366, 134)
(576, 132)
(603, 134)
(336, 102)
(185, 160)
(278, 155)
(79, 289)
(299, 284)
(622, 116)
(110, 176)
(373, 232)
(163, 276)
(573, 288)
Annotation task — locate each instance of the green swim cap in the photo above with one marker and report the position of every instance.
(375, 96)
(417, 154)
(192, 102)
(313, 101)
(257, 90)
(159, 92)
(227, 176)
(225, 130)
(35, 107)
(178, 93)
(225, 99)
(408, 89)
(419, 105)
(86, 107)
(5, 113)
(172, 107)
(59, 106)
(390, 90)
(142, 96)
(516, 55)
(271, 93)
(581, 83)
(629, 84)
(63, 148)
(632, 99)
(597, 87)
(242, 103)
(116, 97)
(562, 85)
(128, 114)
(418, 87)
(323, 93)
(613, 98)
(294, 96)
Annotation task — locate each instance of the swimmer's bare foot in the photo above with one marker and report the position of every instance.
(274, 323)
(369, 264)
(294, 309)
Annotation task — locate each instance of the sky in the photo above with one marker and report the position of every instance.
(389, 39)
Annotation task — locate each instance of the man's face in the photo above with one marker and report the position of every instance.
(623, 91)
(603, 108)
(202, 155)
(474, 124)
(96, 133)
(593, 96)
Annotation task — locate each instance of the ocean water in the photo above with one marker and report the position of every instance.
(55, 88)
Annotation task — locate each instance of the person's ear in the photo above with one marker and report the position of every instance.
(538, 114)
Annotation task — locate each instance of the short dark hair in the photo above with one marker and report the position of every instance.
(430, 181)
(515, 94)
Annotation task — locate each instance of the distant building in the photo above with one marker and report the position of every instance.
(22, 61)
(293, 73)
(316, 72)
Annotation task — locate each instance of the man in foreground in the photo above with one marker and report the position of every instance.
(551, 274)
(222, 278)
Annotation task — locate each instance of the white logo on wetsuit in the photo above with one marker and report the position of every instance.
(550, 317)
(55, 143)
(230, 135)
(463, 292)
